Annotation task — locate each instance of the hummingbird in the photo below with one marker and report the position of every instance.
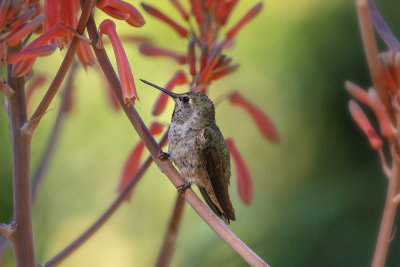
(196, 146)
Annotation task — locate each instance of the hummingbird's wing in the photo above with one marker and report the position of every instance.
(213, 159)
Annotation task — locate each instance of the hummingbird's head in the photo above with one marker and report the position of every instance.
(190, 106)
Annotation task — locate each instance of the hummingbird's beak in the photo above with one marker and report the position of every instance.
(173, 95)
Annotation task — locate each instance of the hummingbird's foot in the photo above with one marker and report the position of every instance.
(163, 155)
(181, 188)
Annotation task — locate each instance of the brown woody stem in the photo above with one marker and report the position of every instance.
(165, 166)
(22, 237)
(165, 255)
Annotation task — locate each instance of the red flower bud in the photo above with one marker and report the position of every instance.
(29, 53)
(243, 179)
(161, 16)
(220, 72)
(361, 119)
(161, 103)
(212, 60)
(25, 30)
(197, 11)
(180, 8)
(249, 15)
(154, 51)
(229, 8)
(357, 92)
(4, 6)
(265, 124)
(386, 126)
(21, 68)
(124, 70)
(118, 9)
(23, 18)
(51, 13)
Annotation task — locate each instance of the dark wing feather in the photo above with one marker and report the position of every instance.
(213, 163)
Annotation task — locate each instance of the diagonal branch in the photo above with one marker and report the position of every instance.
(165, 255)
(371, 51)
(165, 166)
(106, 215)
(48, 152)
(51, 92)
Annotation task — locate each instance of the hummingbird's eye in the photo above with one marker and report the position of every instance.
(185, 99)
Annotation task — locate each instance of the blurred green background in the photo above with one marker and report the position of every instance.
(318, 196)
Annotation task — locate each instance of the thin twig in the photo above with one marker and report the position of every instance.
(51, 92)
(389, 212)
(165, 166)
(106, 215)
(165, 255)
(371, 51)
(48, 152)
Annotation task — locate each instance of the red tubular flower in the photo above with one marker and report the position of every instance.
(229, 8)
(209, 4)
(243, 179)
(178, 79)
(85, 55)
(220, 10)
(154, 51)
(51, 13)
(212, 60)
(29, 53)
(17, 36)
(191, 57)
(122, 10)
(21, 68)
(361, 119)
(265, 124)
(387, 128)
(23, 18)
(220, 72)
(4, 6)
(249, 15)
(197, 11)
(124, 70)
(161, 16)
(132, 163)
(68, 16)
(180, 9)
(358, 93)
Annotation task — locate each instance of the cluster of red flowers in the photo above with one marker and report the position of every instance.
(206, 63)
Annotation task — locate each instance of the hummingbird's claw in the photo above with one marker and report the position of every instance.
(163, 155)
(181, 188)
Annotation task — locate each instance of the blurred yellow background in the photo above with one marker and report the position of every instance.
(318, 195)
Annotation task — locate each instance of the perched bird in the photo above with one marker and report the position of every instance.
(198, 149)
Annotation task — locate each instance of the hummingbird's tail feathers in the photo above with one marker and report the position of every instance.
(230, 215)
